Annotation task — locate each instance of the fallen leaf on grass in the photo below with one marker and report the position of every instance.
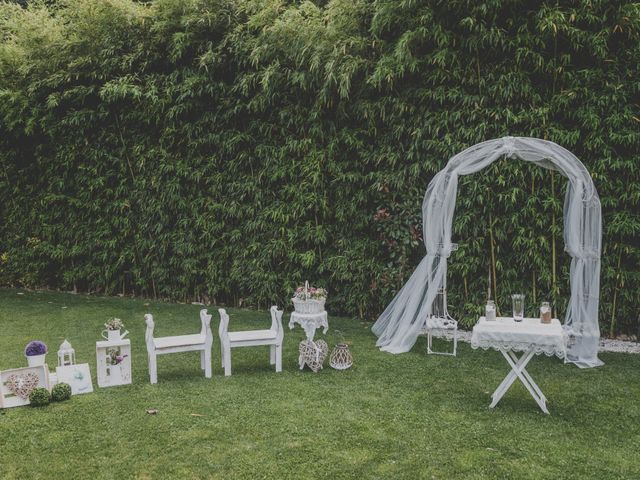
(196, 415)
(152, 411)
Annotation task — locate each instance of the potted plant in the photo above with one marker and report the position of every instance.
(61, 392)
(113, 327)
(35, 351)
(308, 299)
(39, 397)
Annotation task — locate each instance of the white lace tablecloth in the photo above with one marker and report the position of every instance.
(310, 322)
(506, 334)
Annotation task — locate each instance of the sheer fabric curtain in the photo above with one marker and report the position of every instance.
(399, 325)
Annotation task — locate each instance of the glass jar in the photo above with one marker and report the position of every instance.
(545, 312)
(490, 311)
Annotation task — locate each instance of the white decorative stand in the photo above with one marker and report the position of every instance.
(310, 322)
(528, 336)
(113, 361)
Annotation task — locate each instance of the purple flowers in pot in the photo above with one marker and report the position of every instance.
(35, 347)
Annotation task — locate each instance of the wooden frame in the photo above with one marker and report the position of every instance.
(77, 375)
(7, 398)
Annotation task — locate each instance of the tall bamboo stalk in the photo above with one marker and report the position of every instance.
(493, 262)
(612, 325)
(554, 284)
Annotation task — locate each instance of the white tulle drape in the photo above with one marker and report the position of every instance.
(400, 324)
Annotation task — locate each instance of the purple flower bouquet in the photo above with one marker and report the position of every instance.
(35, 347)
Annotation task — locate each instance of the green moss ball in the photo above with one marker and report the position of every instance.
(39, 397)
(61, 392)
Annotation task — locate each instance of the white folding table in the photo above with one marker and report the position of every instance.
(529, 337)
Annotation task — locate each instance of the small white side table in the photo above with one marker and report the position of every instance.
(113, 361)
(529, 337)
(310, 322)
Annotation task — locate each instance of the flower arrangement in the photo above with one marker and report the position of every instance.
(114, 357)
(309, 300)
(114, 324)
(312, 293)
(35, 347)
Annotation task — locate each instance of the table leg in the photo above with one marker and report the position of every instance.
(518, 370)
(510, 378)
(309, 330)
(529, 378)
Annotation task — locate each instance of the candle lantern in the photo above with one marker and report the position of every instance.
(66, 354)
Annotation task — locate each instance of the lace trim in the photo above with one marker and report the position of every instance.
(549, 350)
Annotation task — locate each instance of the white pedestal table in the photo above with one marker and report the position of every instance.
(310, 322)
(531, 337)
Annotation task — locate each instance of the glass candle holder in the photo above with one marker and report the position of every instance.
(490, 311)
(517, 300)
(545, 312)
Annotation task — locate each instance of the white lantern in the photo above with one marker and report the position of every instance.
(66, 354)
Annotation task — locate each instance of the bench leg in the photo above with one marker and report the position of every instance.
(227, 361)
(272, 354)
(278, 354)
(206, 359)
(153, 373)
(202, 360)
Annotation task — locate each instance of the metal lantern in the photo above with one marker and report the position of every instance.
(66, 354)
(341, 357)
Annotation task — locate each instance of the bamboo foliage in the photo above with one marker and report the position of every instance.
(226, 150)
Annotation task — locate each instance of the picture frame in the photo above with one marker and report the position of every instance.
(78, 376)
(26, 379)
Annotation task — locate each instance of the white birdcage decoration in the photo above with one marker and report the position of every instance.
(66, 354)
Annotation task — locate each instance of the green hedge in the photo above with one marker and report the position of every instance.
(226, 150)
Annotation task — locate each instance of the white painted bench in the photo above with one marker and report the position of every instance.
(273, 337)
(183, 343)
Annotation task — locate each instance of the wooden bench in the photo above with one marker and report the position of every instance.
(183, 343)
(273, 337)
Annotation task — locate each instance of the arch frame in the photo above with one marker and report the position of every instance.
(400, 324)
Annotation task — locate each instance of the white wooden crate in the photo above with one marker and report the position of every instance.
(110, 375)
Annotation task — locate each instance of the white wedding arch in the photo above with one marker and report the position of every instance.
(402, 321)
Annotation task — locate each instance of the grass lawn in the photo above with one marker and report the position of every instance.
(390, 416)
